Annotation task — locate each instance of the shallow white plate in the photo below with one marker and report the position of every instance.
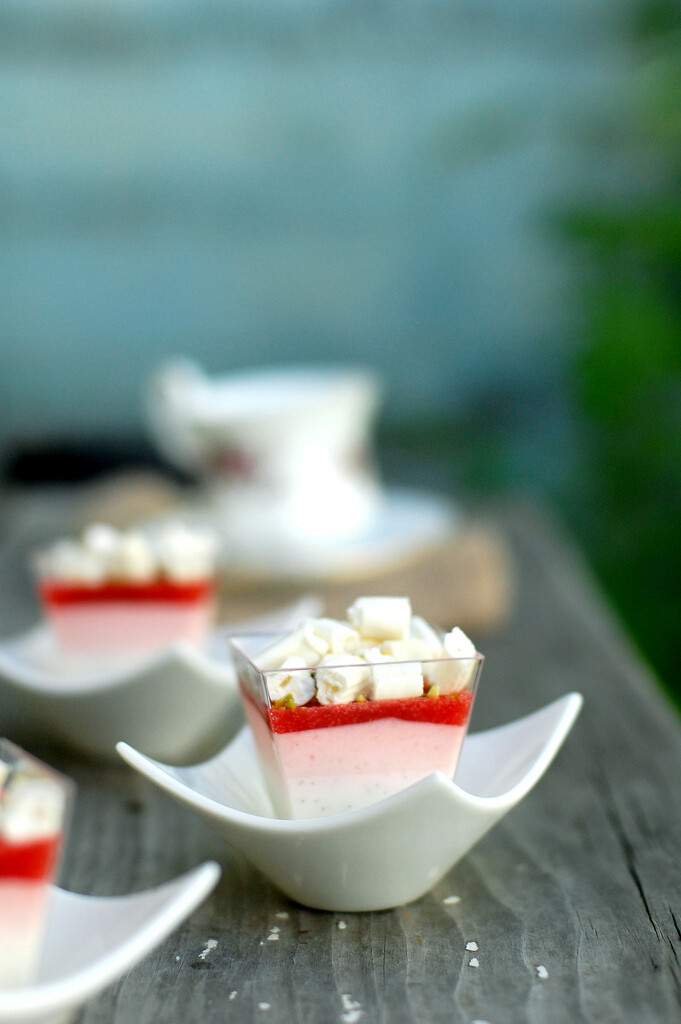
(178, 703)
(91, 941)
(379, 856)
(407, 523)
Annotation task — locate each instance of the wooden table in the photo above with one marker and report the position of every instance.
(573, 900)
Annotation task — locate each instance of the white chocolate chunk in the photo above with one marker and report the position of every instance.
(302, 643)
(459, 669)
(70, 562)
(387, 618)
(102, 541)
(457, 644)
(391, 679)
(133, 559)
(186, 554)
(31, 809)
(105, 553)
(299, 684)
(341, 678)
(410, 649)
(422, 630)
(338, 636)
(373, 655)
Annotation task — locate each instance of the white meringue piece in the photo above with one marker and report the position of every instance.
(387, 618)
(300, 685)
(391, 679)
(341, 678)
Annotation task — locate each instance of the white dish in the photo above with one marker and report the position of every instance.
(91, 941)
(380, 856)
(178, 703)
(406, 524)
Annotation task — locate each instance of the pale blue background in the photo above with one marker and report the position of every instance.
(290, 181)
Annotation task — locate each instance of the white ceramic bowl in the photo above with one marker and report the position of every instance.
(379, 856)
(91, 941)
(178, 703)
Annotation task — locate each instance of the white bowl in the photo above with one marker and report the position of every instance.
(91, 941)
(379, 856)
(178, 703)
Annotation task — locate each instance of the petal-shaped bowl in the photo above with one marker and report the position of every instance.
(178, 703)
(379, 856)
(91, 941)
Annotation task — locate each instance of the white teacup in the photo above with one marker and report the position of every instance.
(285, 451)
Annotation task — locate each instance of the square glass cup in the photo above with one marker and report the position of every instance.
(323, 759)
(127, 618)
(35, 803)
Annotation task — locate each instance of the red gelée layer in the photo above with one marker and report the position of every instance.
(34, 861)
(447, 709)
(60, 594)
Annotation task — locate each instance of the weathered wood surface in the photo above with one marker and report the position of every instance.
(574, 899)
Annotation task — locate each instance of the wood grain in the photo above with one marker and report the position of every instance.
(574, 899)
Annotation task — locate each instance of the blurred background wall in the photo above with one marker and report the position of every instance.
(298, 181)
(477, 197)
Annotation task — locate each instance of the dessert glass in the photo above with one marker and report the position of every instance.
(118, 617)
(34, 807)
(319, 760)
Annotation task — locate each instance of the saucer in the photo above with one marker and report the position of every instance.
(91, 941)
(406, 524)
(177, 703)
(380, 856)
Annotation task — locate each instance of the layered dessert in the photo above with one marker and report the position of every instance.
(34, 802)
(116, 592)
(345, 713)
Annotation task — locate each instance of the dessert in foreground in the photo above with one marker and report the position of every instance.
(34, 802)
(113, 592)
(348, 713)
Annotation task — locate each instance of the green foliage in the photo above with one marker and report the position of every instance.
(627, 376)
(632, 354)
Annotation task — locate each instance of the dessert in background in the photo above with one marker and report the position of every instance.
(125, 592)
(345, 713)
(34, 802)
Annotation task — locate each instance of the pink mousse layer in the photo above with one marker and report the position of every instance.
(322, 771)
(102, 621)
(23, 907)
(127, 627)
(25, 871)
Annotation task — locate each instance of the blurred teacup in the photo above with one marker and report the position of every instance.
(285, 451)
